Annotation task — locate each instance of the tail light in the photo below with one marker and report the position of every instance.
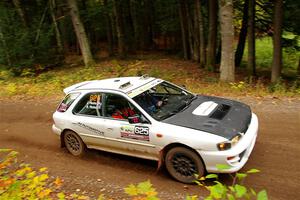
(62, 107)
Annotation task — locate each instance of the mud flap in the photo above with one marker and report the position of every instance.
(160, 160)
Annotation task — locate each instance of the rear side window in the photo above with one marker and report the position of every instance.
(67, 102)
(90, 104)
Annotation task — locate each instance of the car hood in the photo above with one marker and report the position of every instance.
(222, 117)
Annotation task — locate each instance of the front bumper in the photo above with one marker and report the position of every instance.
(237, 156)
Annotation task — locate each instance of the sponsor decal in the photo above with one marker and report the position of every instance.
(95, 98)
(135, 132)
(98, 132)
(127, 129)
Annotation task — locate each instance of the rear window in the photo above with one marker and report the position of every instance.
(67, 102)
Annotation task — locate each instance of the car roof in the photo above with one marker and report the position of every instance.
(122, 84)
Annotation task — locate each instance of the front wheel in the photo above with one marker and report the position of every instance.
(183, 164)
(74, 143)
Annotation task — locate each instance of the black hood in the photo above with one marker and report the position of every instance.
(227, 119)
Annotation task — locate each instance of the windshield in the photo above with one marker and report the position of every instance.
(164, 100)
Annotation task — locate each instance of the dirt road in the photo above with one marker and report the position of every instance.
(26, 127)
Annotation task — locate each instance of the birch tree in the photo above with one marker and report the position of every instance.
(227, 36)
(80, 34)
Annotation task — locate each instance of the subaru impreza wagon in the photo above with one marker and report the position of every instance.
(154, 119)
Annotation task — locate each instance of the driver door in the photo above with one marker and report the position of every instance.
(125, 137)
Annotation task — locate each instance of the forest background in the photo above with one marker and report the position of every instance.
(215, 47)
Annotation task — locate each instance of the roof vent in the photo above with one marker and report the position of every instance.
(125, 85)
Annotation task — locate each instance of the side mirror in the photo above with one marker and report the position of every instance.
(134, 119)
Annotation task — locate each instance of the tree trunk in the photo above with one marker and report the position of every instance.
(109, 34)
(37, 37)
(134, 7)
(219, 51)
(80, 34)
(227, 35)
(57, 32)
(119, 28)
(251, 39)
(243, 35)
(129, 26)
(148, 20)
(196, 36)
(20, 12)
(4, 44)
(190, 28)
(183, 30)
(277, 53)
(298, 68)
(212, 34)
(201, 33)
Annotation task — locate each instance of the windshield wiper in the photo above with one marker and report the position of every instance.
(186, 104)
(168, 115)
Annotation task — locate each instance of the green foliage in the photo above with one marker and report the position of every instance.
(278, 86)
(231, 192)
(264, 54)
(26, 49)
(166, 20)
(238, 86)
(142, 191)
(290, 22)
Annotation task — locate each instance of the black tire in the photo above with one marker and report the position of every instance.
(183, 163)
(74, 143)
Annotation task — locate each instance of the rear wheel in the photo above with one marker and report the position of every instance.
(74, 143)
(183, 164)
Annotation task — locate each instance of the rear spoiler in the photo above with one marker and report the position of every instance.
(77, 85)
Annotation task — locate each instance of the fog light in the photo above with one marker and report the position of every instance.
(230, 158)
(224, 146)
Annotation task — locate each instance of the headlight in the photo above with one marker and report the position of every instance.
(236, 139)
(228, 144)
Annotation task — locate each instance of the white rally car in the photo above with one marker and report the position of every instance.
(154, 119)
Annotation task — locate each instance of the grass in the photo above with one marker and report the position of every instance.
(181, 72)
(264, 53)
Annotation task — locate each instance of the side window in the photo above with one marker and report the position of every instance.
(67, 102)
(118, 107)
(90, 104)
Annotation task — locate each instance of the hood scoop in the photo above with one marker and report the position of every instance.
(220, 112)
(205, 108)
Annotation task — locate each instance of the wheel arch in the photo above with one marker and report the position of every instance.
(170, 146)
(62, 142)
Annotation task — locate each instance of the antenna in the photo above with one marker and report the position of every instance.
(145, 76)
